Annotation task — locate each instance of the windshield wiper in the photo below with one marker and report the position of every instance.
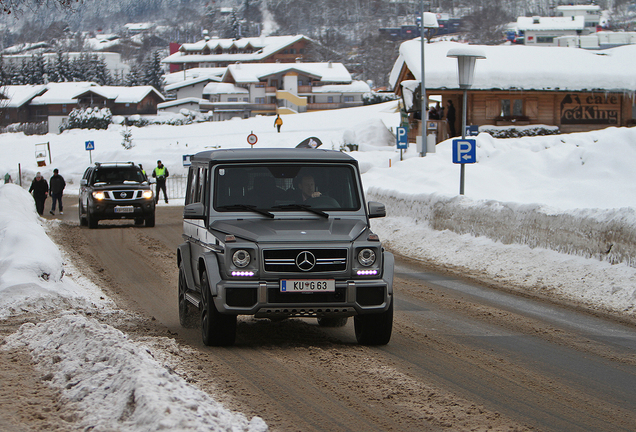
(247, 207)
(302, 207)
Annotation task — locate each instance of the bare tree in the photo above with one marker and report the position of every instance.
(16, 6)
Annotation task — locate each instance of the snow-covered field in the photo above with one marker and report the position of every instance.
(554, 215)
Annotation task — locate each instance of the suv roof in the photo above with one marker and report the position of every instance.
(272, 155)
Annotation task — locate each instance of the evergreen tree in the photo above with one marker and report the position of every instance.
(133, 78)
(153, 71)
(36, 69)
(60, 71)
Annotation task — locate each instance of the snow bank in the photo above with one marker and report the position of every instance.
(606, 235)
(117, 384)
(31, 267)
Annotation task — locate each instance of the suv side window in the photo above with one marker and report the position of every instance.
(196, 180)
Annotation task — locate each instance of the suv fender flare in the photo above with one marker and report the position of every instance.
(183, 257)
(210, 263)
(387, 271)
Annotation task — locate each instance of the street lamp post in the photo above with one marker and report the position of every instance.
(466, 57)
(428, 20)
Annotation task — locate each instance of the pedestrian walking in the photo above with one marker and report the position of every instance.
(7, 178)
(450, 118)
(161, 174)
(278, 122)
(56, 189)
(39, 188)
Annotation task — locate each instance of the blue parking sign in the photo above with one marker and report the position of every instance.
(464, 151)
(402, 138)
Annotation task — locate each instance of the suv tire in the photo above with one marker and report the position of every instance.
(91, 221)
(187, 313)
(150, 221)
(374, 329)
(82, 218)
(216, 329)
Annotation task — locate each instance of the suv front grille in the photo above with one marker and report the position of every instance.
(305, 260)
(123, 194)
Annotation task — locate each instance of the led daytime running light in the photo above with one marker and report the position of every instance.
(367, 272)
(243, 273)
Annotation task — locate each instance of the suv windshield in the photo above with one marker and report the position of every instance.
(118, 175)
(286, 187)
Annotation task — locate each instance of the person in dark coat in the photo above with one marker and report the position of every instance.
(450, 117)
(56, 189)
(39, 188)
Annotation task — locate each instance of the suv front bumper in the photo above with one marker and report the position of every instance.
(113, 209)
(263, 299)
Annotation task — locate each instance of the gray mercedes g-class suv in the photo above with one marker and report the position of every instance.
(279, 233)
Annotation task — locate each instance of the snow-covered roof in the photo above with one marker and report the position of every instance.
(121, 94)
(67, 93)
(520, 67)
(253, 72)
(551, 23)
(14, 96)
(262, 47)
(182, 101)
(188, 74)
(223, 88)
(354, 87)
(62, 93)
(191, 81)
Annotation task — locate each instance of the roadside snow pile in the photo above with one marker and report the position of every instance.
(118, 385)
(31, 268)
(114, 383)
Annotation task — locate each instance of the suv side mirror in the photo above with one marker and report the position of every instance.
(194, 211)
(83, 182)
(376, 209)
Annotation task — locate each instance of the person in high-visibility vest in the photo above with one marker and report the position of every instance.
(278, 122)
(161, 173)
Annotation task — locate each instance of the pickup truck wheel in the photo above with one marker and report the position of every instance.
(216, 329)
(187, 313)
(332, 321)
(374, 329)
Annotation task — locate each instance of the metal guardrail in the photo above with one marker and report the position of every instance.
(175, 186)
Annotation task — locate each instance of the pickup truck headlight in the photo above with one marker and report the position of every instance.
(366, 257)
(98, 195)
(241, 258)
(147, 194)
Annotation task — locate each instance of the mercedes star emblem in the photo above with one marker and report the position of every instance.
(305, 261)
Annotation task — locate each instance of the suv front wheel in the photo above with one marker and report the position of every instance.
(374, 329)
(216, 329)
(91, 220)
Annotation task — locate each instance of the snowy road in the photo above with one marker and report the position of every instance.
(462, 356)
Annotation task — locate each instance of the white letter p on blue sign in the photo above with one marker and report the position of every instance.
(402, 138)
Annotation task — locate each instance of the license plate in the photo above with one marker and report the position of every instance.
(124, 209)
(308, 285)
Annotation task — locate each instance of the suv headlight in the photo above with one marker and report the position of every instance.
(147, 194)
(366, 257)
(99, 195)
(241, 258)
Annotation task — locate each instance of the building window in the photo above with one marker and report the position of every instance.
(259, 100)
(348, 98)
(246, 99)
(511, 108)
(329, 99)
(63, 108)
(545, 39)
(232, 99)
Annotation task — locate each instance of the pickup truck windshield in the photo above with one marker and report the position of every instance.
(282, 187)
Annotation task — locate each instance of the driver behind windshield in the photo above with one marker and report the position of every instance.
(307, 187)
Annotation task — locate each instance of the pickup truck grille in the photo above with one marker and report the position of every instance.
(123, 194)
(305, 260)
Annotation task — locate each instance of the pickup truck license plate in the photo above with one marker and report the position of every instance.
(124, 209)
(308, 285)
